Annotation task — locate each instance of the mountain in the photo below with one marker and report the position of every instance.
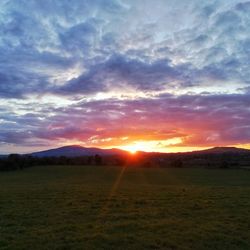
(74, 151)
(224, 150)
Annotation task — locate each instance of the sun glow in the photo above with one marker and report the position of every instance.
(132, 150)
(150, 146)
(135, 147)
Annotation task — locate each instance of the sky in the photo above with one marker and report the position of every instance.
(152, 75)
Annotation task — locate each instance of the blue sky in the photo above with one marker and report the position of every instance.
(157, 75)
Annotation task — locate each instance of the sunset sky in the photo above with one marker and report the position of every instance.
(152, 75)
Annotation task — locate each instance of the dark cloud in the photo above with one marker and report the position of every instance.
(81, 37)
(16, 85)
(120, 71)
(243, 7)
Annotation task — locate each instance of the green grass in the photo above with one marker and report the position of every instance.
(89, 208)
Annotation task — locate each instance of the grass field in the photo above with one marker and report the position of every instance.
(63, 207)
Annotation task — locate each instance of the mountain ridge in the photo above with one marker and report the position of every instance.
(77, 150)
(222, 150)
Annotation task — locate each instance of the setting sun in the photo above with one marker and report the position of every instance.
(132, 151)
(151, 146)
(139, 146)
(131, 148)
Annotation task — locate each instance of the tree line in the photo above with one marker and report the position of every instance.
(16, 161)
(178, 160)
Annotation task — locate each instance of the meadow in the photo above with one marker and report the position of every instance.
(90, 207)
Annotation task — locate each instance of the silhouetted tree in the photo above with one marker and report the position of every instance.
(90, 160)
(14, 161)
(224, 164)
(98, 160)
(177, 163)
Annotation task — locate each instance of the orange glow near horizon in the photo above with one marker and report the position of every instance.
(178, 149)
(131, 148)
(173, 145)
(151, 146)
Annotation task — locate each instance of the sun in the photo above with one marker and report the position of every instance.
(167, 145)
(132, 149)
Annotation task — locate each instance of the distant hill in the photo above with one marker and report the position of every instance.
(224, 150)
(74, 151)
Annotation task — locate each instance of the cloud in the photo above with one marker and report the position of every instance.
(81, 37)
(115, 46)
(119, 71)
(198, 120)
(65, 64)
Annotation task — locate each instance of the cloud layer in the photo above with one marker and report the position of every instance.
(110, 73)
